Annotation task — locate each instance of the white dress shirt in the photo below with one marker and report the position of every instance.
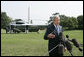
(59, 28)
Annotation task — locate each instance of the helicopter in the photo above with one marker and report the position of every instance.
(21, 26)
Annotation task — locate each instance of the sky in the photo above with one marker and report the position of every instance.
(40, 11)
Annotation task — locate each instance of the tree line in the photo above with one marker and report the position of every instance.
(68, 23)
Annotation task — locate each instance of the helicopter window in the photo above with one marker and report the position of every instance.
(19, 23)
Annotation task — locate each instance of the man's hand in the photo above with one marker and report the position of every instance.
(65, 49)
(51, 36)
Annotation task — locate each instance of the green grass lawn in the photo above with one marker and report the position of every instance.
(33, 44)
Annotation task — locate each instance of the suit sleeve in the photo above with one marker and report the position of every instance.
(46, 34)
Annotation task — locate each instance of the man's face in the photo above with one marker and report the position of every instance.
(56, 21)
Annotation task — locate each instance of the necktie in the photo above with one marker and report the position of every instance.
(56, 29)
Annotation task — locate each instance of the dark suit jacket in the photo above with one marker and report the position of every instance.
(52, 42)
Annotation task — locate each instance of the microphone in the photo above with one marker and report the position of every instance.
(61, 36)
(76, 44)
(67, 37)
(69, 46)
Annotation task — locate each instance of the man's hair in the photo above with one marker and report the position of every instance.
(54, 16)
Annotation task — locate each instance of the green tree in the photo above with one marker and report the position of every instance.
(70, 23)
(63, 20)
(75, 22)
(5, 20)
(80, 21)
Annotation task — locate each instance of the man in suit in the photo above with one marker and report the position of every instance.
(53, 37)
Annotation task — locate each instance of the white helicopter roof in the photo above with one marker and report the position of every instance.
(22, 23)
